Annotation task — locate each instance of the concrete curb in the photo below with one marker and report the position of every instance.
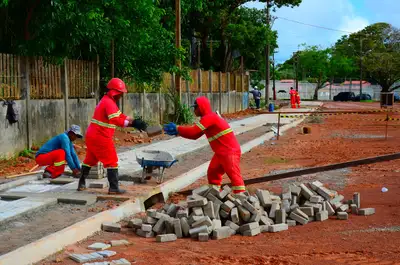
(44, 247)
(16, 183)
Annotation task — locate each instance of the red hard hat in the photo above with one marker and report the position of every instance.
(117, 84)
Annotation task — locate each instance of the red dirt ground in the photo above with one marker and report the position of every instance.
(354, 241)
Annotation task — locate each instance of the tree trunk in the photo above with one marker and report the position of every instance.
(316, 93)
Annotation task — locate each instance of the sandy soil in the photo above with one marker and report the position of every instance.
(360, 240)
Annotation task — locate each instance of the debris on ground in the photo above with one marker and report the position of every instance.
(211, 213)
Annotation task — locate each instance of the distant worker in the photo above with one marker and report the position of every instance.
(58, 152)
(257, 96)
(222, 140)
(298, 98)
(99, 136)
(292, 94)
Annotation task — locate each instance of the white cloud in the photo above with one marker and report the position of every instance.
(337, 14)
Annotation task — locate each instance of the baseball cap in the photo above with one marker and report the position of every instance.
(76, 129)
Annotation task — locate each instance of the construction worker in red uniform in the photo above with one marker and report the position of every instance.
(298, 98)
(222, 141)
(100, 147)
(292, 94)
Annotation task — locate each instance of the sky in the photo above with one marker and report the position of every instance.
(342, 15)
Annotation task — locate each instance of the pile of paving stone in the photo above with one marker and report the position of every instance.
(209, 212)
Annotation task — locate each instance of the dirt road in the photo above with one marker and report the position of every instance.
(360, 240)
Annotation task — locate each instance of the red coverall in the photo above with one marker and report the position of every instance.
(293, 98)
(222, 141)
(100, 146)
(55, 162)
(298, 99)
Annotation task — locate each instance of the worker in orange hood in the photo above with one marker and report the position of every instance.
(292, 94)
(222, 140)
(100, 147)
(297, 95)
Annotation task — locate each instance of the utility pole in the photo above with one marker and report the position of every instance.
(267, 63)
(273, 75)
(361, 67)
(178, 44)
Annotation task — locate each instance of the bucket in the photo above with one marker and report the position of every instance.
(271, 107)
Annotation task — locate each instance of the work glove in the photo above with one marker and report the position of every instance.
(76, 172)
(139, 124)
(170, 129)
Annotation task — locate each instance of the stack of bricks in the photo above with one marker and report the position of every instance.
(211, 213)
(97, 172)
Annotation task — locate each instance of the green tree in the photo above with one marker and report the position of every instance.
(379, 47)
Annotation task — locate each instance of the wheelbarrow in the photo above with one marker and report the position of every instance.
(151, 160)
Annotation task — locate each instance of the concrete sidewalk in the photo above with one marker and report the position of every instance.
(179, 146)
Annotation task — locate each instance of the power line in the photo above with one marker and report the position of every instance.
(316, 26)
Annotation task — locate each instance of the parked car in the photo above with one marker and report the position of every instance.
(364, 96)
(344, 96)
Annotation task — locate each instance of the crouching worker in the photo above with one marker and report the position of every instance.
(58, 152)
(222, 140)
(99, 135)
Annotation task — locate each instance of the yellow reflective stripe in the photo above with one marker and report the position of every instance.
(200, 126)
(214, 186)
(86, 165)
(114, 115)
(112, 126)
(57, 164)
(112, 167)
(229, 130)
(238, 188)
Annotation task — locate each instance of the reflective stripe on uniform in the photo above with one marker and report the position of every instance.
(57, 164)
(85, 165)
(114, 115)
(103, 124)
(200, 126)
(238, 188)
(214, 186)
(229, 130)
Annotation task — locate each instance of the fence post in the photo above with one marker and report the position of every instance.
(188, 92)
(26, 94)
(235, 89)
(228, 89)
(242, 84)
(142, 96)
(159, 105)
(200, 81)
(220, 91)
(65, 90)
(210, 84)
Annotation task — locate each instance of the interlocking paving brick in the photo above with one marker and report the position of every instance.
(366, 211)
(111, 227)
(166, 238)
(99, 246)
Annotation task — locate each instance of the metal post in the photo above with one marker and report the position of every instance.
(273, 76)
(279, 125)
(267, 63)
(360, 67)
(386, 130)
(178, 44)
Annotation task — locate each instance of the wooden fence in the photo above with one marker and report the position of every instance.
(82, 79)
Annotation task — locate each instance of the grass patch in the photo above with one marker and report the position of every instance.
(276, 160)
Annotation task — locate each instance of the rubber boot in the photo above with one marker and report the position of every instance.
(112, 175)
(82, 181)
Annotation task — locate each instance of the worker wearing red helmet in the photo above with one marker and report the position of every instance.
(100, 147)
(222, 141)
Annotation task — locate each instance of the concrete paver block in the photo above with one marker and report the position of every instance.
(214, 199)
(227, 206)
(295, 200)
(337, 199)
(354, 209)
(80, 258)
(316, 199)
(169, 226)
(177, 227)
(151, 220)
(235, 215)
(152, 213)
(99, 246)
(122, 242)
(309, 211)
(221, 233)
(244, 213)
(146, 228)
(185, 226)
(287, 196)
(252, 232)
(166, 238)
(357, 199)
(264, 220)
(201, 190)
(278, 228)
(209, 210)
(305, 191)
(223, 214)
(255, 218)
(343, 208)
(135, 223)
(182, 213)
(329, 208)
(264, 197)
(274, 208)
(293, 207)
(120, 262)
(111, 227)
(247, 205)
(248, 226)
(195, 231)
(295, 190)
(285, 205)
(264, 228)
(342, 216)
(216, 224)
(86, 199)
(298, 218)
(326, 193)
(194, 218)
(321, 216)
(159, 226)
(197, 203)
(366, 211)
(205, 220)
(280, 216)
(198, 211)
(290, 222)
(301, 213)
(232, 225)
(315, 185)
(203, 237)
(217, 207)
(172, 210)
(145, 234)
(107, 253)
(98, 185)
